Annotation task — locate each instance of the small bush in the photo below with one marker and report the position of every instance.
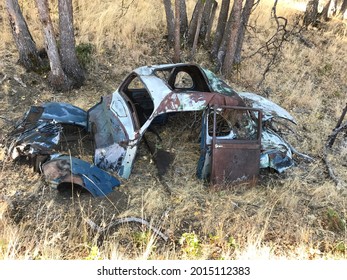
(84, 53)
(191, 245)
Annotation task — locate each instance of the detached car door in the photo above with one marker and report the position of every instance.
(230, 144)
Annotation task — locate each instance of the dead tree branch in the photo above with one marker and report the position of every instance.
(273, 47)
(124, 8)
(339, 184)
(331, 172)
(337, 128)
(3, 79)
(276, 41)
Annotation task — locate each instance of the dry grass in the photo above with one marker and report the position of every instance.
(297, 215)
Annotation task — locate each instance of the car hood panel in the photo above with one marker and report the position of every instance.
(269, 108)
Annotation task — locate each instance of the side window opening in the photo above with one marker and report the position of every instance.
(233, 124)
(140, 99)
(176, 80)
(184, 77)
(223, 126)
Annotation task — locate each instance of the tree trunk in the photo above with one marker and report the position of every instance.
(57, 77)
(246, 12)
(311, 12)
(334, 9)
(194, 21)
(70, 63)
(170, 21)
(210, 22)
(28, 54)
(224, 42)
(177, 31)
(343, 8)
(183, 18)
(325, 11)
(222, 21)
(232, 42)
(197, 31)
(205, 19)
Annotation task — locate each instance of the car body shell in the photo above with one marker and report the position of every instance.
(146, 96)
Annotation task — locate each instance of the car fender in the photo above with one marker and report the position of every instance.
(61, 169)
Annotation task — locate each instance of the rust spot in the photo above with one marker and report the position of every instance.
(170, 103)
(60, 171)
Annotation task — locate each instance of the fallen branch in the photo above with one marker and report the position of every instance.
(330, 142)
(120, 221)
(294, 151)
(333, 135)
(339, 184)
(304, 41)
(19, 81)
(337, 129)
(3, 79)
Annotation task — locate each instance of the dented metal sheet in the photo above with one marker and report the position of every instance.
(275, 152)
(269, 108)
(62, 170)
(39, 131)
(40, 138)
(64, 113)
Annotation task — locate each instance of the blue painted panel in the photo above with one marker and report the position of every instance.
(97, 181)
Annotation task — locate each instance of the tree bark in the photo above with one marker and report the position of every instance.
(194, 21)
(246, 12)
(205, 19)
(197, 31)
(222, 21)
(232, 42)
(343, 8)
(70, 63)
(170, 21)
(183, 17)
(210, 22)
(224, 42)
(325, 11)
(57, 77)
(311, 12)
(177, 31)
(28, 54)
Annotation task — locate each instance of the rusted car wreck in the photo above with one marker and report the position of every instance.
(235, 136)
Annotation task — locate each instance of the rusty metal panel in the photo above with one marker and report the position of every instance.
(238, 158)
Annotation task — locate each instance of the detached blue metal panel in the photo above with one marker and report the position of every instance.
(66, 169)
(64, 113)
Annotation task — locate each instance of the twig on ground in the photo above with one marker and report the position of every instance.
(339, 184)
(337, 129)
(328, 145)
(19, 80)
(3, 79)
